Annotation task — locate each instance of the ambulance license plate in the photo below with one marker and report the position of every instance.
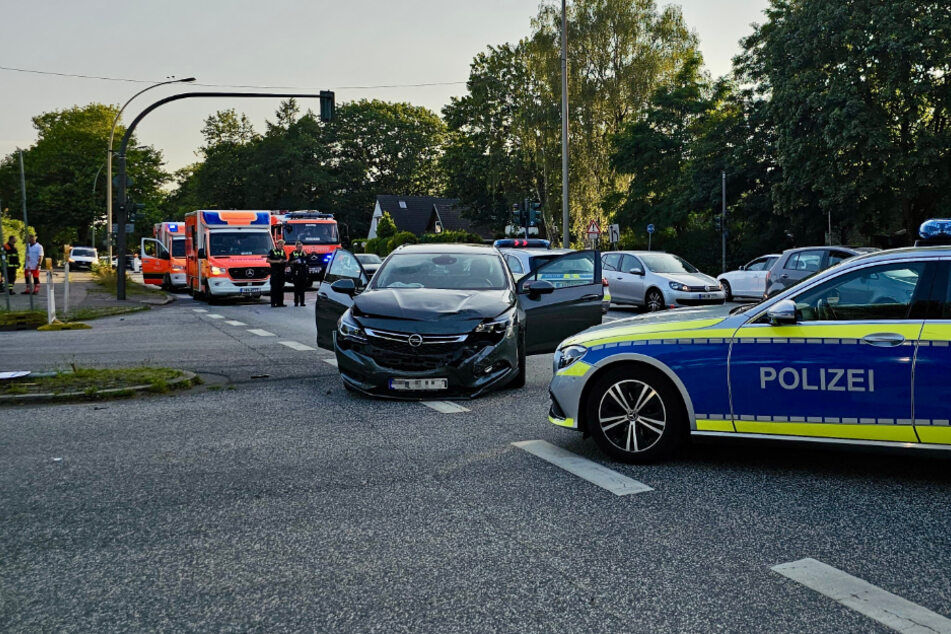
(253, 292)
(419, 385)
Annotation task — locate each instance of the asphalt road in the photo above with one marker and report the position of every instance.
(285, 503)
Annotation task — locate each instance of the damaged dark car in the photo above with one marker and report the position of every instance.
(448, 321)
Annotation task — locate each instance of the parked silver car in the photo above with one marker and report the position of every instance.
(749, 280)
(795, 265)
(657, 280)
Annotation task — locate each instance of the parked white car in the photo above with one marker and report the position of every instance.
(750, 279)
(657, 280)
(83, 257)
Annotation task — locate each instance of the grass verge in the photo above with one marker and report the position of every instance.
(107, 279)
(89, 381)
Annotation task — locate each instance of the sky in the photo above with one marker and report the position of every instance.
(358, 48)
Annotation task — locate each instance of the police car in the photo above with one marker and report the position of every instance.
(859, 353)
(522, 256)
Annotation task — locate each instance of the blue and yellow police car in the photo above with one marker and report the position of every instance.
(858, 353)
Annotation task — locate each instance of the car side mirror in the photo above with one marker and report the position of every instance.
(201, 254)
(165, 255)
(742, 267)
(636, 271)
(783, 312)
(537, 288)
(347, 287)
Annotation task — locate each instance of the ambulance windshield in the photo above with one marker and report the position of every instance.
(222, 243)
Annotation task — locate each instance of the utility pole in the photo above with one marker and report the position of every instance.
(3, 260)
(26, 224)
(566, 234)
(723, 221)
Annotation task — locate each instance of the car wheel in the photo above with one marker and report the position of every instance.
(519, 380)
(727, 290)
(635, 415)
(654, 300)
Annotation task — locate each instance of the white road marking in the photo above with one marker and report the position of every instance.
(445, 407)
(261, 333)
(199, 310)
(332, 362)
(235, 322)
(214, 316)
(583, 468)
(293, 345)
(888, 609)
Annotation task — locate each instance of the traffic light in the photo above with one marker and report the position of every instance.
(518, 215)
(133, 209)
(534, 213)
(717, 224)
(328, 105)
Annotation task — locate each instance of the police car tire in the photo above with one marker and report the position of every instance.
(675, 419)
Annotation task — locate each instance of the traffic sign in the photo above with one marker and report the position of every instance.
(594, 230)
(650, 228)
(615, 232)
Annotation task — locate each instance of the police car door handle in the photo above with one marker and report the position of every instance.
(884, 339)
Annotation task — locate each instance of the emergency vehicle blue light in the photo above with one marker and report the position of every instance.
(328, 256)
(531, 243)
(173, 227)
(935, 228)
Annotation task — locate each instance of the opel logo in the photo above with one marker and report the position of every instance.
(415, 340)
(249, 273)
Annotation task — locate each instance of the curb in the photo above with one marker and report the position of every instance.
(188, 379)
(159, 302)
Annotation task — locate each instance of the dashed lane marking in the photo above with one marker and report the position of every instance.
(445, 407)
(199, 310)
(235, 322)
(583, 468)
(880, 605)
(293, 345)
(332, 362)
(214, 316)
(261, 333)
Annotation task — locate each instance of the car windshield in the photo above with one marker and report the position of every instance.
(178, 248)
(368, 258)
(311, 232)
(666, 263)
(455, 271)
(239, 243)
(86, 253)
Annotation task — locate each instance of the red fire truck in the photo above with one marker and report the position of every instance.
(317, 231)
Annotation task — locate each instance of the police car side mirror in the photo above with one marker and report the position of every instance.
(347, 287)
(782, 312)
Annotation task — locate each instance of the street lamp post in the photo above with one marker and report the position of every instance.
(112, 134)
(326, 114)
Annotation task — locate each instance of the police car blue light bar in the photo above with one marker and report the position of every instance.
(935, 228)
(530, 243)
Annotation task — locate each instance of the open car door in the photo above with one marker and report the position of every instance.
(344, 278)
(561, 298)
(156, 262)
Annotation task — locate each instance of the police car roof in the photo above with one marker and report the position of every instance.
(535, 252)
(446, 248)
(902, 253)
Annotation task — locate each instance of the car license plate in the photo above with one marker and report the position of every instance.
(705, 296)
(315, 269)
(250, 291)
(419, 384)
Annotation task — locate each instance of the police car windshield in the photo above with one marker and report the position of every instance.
(666, 263)
(178, 248)
(238, 243)
(451, 271)
(311, 232)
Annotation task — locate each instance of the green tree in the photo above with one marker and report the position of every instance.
(385, 227)
(859, 98)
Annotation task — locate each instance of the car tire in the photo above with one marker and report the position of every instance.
(519, 380)
(654, 430)
(727, 290)
(654, 301)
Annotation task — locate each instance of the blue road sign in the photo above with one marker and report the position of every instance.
(650, 228)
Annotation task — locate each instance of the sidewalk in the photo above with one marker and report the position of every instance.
(85, 295)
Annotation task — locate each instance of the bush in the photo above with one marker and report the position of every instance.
(401, 238)
(386, 228)
(375, 245)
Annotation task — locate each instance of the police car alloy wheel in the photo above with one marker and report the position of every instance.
(634, 415)
(654, 300)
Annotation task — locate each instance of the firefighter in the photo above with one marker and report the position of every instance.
(278, 260)
(299, 272)
(13, 263)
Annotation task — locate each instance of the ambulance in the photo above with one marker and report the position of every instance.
(226, 253)
(163, 256)
(318, 231)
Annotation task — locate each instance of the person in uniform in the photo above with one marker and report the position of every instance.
(299, 272)
(13, 263)
(278, 260)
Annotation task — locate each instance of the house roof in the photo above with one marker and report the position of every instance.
(417, 213)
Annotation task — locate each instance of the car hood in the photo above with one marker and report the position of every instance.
(690, 279)
(679, 323)
(461, 310)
